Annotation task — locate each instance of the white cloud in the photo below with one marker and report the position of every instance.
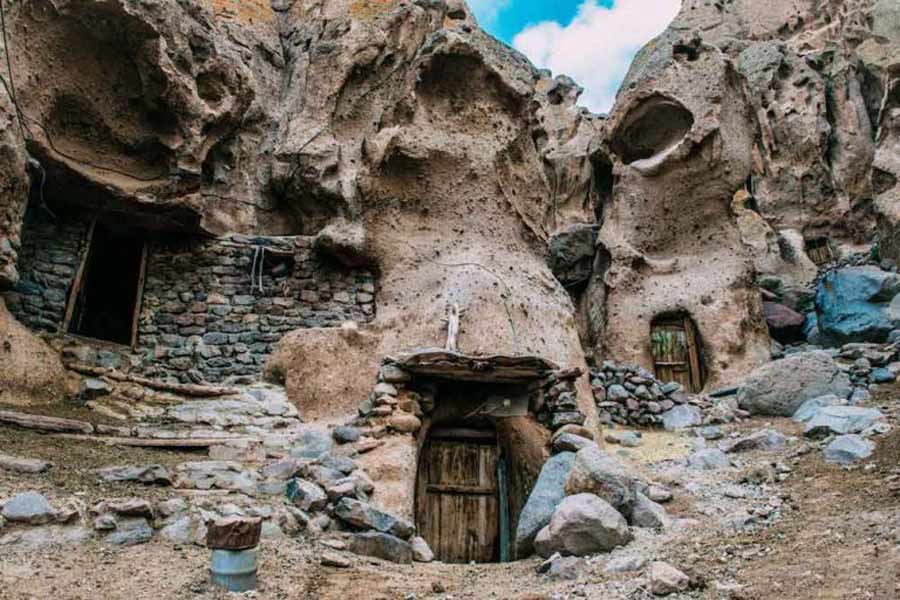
(486, 11)
(597, 47)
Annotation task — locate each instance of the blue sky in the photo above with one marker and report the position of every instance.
(592, 41)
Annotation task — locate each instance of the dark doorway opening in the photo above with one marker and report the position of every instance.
(462, 506)
(106, 295)
(676, 351)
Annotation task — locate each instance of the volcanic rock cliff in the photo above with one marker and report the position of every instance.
(405, 140)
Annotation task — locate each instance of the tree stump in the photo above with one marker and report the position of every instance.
(233, 533)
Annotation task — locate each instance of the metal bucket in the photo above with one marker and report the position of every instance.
(234, 570)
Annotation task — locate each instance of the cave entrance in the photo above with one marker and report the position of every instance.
(462, 499)
(676, 351)
(105, 298)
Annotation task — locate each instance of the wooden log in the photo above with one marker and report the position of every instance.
(570, 373)
(40, 422)
(154, 442)
(183, 389)
(233, 533)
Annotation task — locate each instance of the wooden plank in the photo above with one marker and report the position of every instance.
(42, 423)
(79, 279)
(693, 355)
(184, 389)
(462, 433)
(155, 442)
(463, 490)
(139, 300)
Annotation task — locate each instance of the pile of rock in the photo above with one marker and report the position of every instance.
(393, 406)
(559, 404)
(631, 395)
(583, 503)
(844, 430)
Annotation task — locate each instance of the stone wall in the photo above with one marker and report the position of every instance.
(203, 320)
(47, 264)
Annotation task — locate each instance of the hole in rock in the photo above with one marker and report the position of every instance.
(651, 128)
(676, 351)
(105, 295)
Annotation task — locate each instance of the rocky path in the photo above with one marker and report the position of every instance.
(754, 512)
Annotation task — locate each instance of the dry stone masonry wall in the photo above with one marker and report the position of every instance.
(48, 261)
(201, 318)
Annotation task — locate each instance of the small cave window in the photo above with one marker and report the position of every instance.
(676, 351)
(105, 298)
(819, 250)
(653, 127)
(277, 265)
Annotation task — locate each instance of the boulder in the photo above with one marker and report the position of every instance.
(381, 545)
(149, 474)
(548, 492)
(184, 530)
(130, 532)
(629, 439)
(666, 579)
(625, 564)
(785, 324)
(346, 242)
(421, 550)
(572, 253)
(49, 535)
(345, 434)
(365, 516)
(779, 388)
(560, 567)
(28, 507)
(311, 444)
(583, 524)
(306, 495)
(847, 449)
(842, 420)
(708, 459)
(811, 407)
(569, 442)
(682, 416)
(648, 514)
(23, 465)
(855, 304)
(405, 423)
(764, 439)
(595, 472)
(334, 559)
(214, 474)
(883, 375)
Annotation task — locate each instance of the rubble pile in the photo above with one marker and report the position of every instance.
(631, 395)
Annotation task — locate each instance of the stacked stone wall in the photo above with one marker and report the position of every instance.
(47, 264)
(203, 318)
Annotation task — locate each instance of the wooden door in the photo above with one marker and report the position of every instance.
(457, 497)
(676, 355)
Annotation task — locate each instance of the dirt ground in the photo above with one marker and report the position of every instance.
(836, 538)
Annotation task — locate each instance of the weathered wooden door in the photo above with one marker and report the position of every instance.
(819, 251)
(676, 354)
(457, 496)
